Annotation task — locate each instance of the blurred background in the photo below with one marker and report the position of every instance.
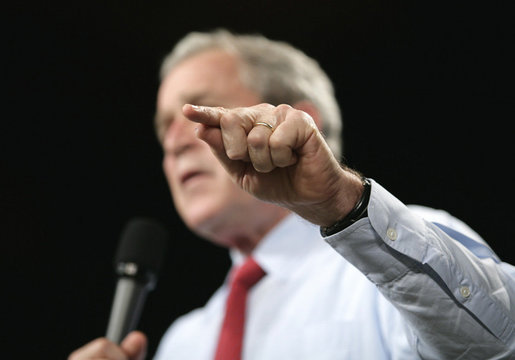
(427, 97)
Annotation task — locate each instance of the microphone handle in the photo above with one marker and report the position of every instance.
(128, 302)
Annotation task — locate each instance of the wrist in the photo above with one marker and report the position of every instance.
(358, 212)
(346, 190)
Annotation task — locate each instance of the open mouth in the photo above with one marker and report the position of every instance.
(190, 175)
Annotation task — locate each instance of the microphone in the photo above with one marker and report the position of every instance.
(138, 259)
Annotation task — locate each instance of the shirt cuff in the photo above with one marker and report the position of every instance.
(394, 241)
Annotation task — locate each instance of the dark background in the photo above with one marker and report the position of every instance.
(428, 105)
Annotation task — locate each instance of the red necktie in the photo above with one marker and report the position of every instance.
(231, 336)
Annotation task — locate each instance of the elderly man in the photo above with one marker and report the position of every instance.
(388, 282)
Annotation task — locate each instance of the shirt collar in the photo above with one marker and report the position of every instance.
(285, 247)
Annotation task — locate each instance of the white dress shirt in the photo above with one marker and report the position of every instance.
(397, 287)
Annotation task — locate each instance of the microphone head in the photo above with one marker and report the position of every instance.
(141, 248)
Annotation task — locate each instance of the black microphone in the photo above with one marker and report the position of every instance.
(137, 262)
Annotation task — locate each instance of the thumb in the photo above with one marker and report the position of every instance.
(135, 345)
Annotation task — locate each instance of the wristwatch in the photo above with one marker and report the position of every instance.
(358, 212)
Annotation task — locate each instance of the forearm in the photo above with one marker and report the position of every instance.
(454, 301)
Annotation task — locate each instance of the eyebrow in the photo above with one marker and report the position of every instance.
(195, 98)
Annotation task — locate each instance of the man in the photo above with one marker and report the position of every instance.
(389, 282)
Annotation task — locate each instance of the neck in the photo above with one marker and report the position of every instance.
(245, 234)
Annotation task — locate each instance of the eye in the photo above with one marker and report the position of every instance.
(161, 124)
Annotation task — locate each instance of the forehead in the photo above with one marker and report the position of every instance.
(212, 73)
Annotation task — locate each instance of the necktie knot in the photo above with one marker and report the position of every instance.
(248, 274)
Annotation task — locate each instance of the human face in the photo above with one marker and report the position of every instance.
(206, 198)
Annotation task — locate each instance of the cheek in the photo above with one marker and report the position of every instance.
(207, 200)
(211, 201)
(167, 165)
(169, 169)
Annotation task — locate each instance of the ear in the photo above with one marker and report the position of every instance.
(310, 108)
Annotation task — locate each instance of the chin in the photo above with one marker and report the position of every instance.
(209, 211)
(201, 218)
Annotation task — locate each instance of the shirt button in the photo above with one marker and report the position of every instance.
(465, 291)
(391, 234)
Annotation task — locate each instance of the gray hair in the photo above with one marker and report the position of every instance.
(278, 72)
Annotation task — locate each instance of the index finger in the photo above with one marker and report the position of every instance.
(206, 115)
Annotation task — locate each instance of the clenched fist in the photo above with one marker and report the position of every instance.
(278, 155)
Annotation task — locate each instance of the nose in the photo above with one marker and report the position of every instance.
(180, 136)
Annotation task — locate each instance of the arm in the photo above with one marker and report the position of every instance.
(454, 302)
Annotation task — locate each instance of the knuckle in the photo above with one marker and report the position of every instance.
(283, 107)
(229, 120)
(98, 348)
(307, 118)
(301, 118)
(257, 139)
(265, 106)
(101, 346)
(276, 143)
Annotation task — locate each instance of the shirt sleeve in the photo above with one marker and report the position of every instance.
(457, 297)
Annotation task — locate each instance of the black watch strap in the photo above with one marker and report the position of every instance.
(358, 212)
